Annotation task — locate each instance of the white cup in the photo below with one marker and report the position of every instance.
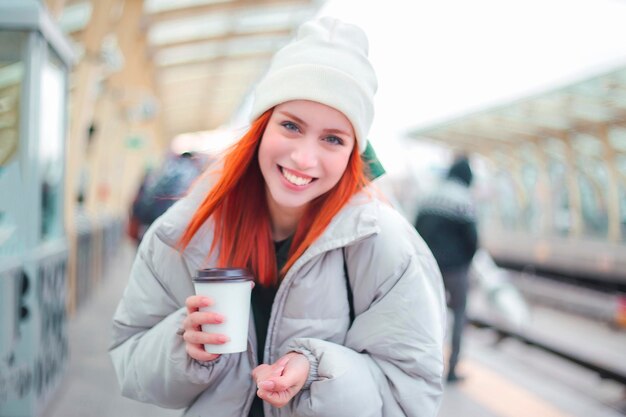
(230, 290)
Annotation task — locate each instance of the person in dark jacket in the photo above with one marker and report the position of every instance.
(161, 188)
(446, 221)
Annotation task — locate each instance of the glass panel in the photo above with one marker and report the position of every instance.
(529, 220)
(531, 199)
(560, 192)
(12, 45)
(622, 210)
(508, 201)
(621, 167)
(592, 182)
(559, 187)
(51, 155)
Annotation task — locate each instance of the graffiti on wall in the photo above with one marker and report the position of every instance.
(38, 374)
(51, 297)
(13, 289)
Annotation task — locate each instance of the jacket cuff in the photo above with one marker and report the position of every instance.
(208, 364)
(313, 365)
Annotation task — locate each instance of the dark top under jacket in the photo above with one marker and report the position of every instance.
(262, 299)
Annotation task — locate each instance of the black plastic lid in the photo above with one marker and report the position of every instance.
(223, 275)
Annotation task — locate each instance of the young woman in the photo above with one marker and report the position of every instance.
(348, 306)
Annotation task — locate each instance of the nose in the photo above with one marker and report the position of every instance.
(304, 154)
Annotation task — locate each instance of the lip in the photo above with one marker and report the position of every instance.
(291, 186)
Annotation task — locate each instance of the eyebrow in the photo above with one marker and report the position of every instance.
(303, 123)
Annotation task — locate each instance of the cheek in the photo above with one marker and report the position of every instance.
(271, 146)
(336, 167)
(265, 152)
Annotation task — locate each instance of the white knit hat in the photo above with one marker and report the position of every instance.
(326, 63)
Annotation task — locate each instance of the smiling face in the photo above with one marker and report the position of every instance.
(303, 153)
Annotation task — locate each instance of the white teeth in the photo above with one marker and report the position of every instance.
(294, 179)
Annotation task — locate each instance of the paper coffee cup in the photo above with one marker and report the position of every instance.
(230, 290)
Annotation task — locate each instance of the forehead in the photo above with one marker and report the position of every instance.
(316, 114)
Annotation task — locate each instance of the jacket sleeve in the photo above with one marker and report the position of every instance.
(392, 361)
(148, 355)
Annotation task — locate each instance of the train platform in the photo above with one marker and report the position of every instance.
(504, 378)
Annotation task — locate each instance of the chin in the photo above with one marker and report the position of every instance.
(285, 200)
(291, 203)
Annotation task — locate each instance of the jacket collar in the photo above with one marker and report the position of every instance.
(354, 222)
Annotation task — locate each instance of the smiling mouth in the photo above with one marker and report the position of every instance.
(295, 179)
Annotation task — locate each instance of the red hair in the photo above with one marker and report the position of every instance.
(238, 207)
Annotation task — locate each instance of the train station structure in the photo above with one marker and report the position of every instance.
(97, 94)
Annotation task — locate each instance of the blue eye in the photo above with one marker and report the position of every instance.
(290, 126)
(334, 140)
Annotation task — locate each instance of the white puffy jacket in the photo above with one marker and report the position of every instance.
(388, 363)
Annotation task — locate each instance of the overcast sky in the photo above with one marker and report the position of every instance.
(440, 59)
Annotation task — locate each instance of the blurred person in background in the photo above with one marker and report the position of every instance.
(446, 221)
(348, 307)
(160, 188)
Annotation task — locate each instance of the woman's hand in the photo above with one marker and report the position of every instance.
(194, 337)
(279, 383)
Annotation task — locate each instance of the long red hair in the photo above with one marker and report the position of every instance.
(238, 207)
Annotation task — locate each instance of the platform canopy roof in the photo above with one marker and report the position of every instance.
(580, 113)
(206, 54)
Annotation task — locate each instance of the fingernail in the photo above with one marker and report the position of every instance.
(223, 338)
(218, 318)
(267, 385)
(207, 302)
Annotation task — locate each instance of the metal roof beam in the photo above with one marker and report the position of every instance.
(196, 10)
(467, 142)
(481, 136)
(217, 60)
(495, 126)
(529, 128)
(221, 38)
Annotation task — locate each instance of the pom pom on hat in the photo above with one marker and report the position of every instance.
(327, 63)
